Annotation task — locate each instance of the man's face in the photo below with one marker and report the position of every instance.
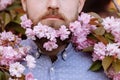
(53, 12)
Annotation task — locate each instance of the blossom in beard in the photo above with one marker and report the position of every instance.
(63, 32)
(84, 18)
(40, 30)
(51, 34)
(5, 3)
(99, 51)
(16, 69)
(50, 45)
(30, 61)
(30, 33)
(25, 22)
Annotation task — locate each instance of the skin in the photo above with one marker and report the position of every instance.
(53, 13)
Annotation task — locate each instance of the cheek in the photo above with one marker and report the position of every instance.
(36, 11)
(70, 11)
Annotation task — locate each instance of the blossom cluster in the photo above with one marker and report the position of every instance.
(80, 30)
(112, 25)
(43, 31)
(112, 49)
(101, 51)
(87, 31)
(12, 54)
(5, 3)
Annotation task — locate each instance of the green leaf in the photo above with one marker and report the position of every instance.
(99, 31)
(17, 18)
(12, 26)
(1, 75)
(7, 19)
(106, 62)
(116, 65)
(109, 37)
(6, 75)
(88, 49)
(96, 66)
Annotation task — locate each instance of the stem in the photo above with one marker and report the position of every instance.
(116, 5)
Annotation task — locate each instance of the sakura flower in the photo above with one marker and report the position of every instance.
(116, 33)
(5, 3)
(50, 45)
(110, 23)
(9, 52)
(16, 69)
(40, 30)
(30, 34)
(85, 44)
(7, 36)
(26, 23)
(51, 34)
(99, 51)
(63, 32)
(85, 18)
(30, 61)
(113, 49)
(29, 76)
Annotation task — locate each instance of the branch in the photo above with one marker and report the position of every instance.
(116, 5)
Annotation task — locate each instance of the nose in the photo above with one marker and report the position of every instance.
(54, 4)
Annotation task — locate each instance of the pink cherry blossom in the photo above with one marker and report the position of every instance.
(40, 30)
(85, 18)
(5, 3)
(63, 32)
(16, 69)
(50, 45)
(85, 44)
(30, 61)
(112, 49)
(26, 23)
(7, 36)
(99, 51)
(30, 33)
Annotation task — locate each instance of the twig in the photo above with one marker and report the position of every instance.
(116, 5)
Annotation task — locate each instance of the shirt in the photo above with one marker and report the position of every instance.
(70, 65)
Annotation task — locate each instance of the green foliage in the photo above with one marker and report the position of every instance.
(116, 65)
(106, 62)
(96, 66)
(11, 15)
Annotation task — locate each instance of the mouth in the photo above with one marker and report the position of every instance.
(53, 17)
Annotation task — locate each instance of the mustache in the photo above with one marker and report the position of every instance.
(53, 13)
